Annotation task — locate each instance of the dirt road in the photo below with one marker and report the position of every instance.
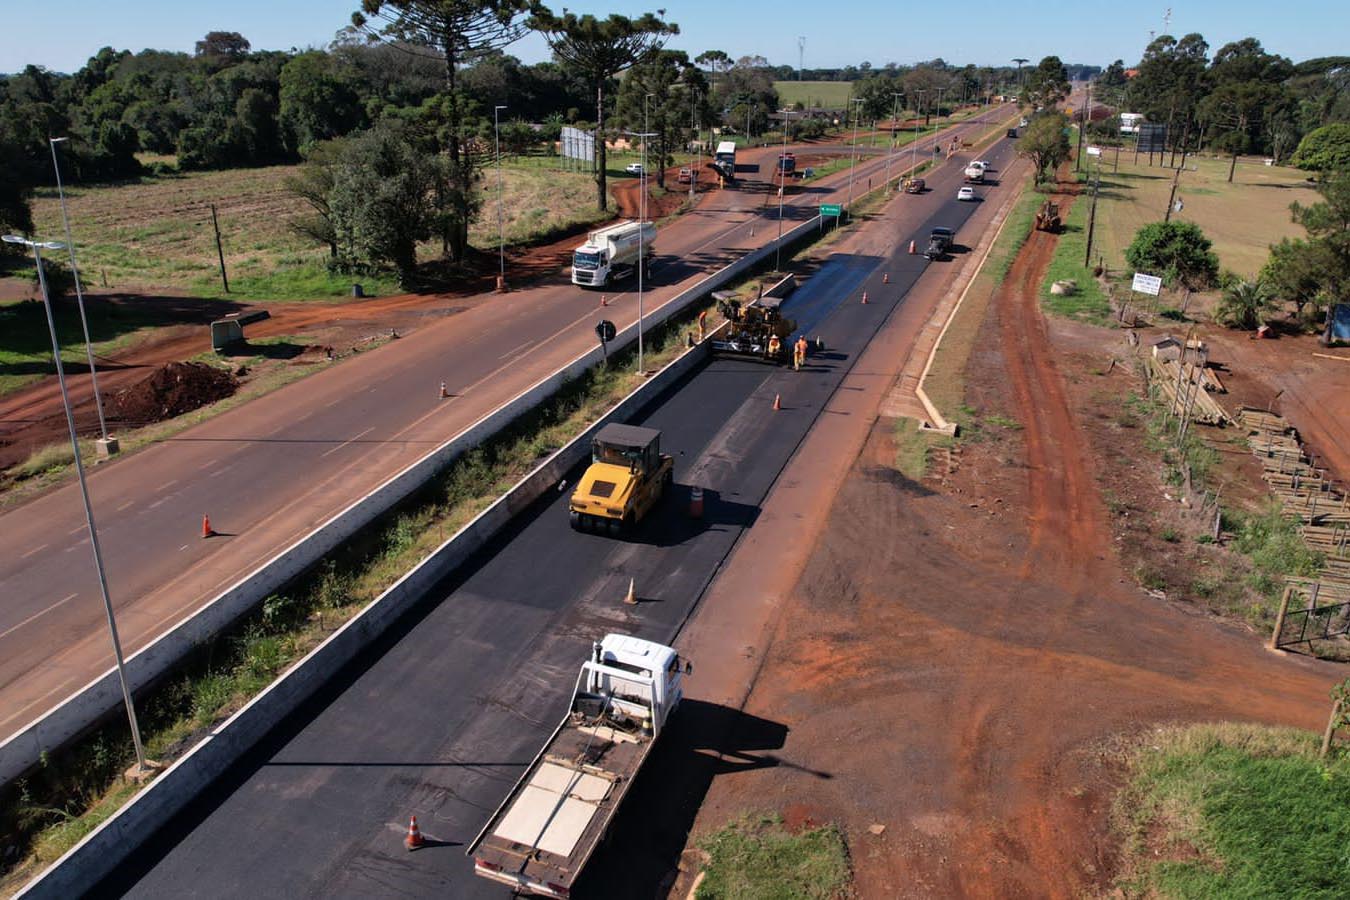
(961, 656)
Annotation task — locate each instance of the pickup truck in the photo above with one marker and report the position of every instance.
(939, 242)
(539, 839)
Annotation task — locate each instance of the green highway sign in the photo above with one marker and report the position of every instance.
(831, 209)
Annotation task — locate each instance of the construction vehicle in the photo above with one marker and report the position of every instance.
(612, 253)
(913, 185)
(787, 163)
(1047, 217)
(751, 329)
(627, 475)
(539, 839)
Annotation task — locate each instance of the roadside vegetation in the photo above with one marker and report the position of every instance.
(1233, 810)
(759, 858)
(1086, 300)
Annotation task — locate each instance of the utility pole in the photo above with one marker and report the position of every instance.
(895, 117)
(857, 114)
(1172, 197)
(1092, 214)
(801, 55)
(220, 252)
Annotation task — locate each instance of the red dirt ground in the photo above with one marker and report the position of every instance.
(963, 656)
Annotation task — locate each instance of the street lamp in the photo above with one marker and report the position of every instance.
(107, 445)
(857, 114)
(38, 247)
(782, 189)
(642, 224)
(895, 115)
(914, 147)
(501, 226)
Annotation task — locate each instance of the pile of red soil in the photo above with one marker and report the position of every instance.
(170, 391)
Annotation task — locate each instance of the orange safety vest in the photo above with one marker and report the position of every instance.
(774, 344)
(801, 346)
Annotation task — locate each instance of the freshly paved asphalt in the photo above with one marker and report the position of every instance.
(272, 470)
(441, 718)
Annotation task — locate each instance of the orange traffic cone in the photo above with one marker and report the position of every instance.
(912, 251)
(696, 503)
(886, 278)
(777, 401)
(864, 298)
(603, 300)
(207, 530)
(631, 597)
(414, 838)
(445, 395)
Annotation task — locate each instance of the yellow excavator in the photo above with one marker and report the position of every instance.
(628, 474)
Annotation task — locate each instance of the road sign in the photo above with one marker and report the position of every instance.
(831, 209)
(604, 330)
(1094, 151)
(1146, 284)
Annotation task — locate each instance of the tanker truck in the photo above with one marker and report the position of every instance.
(612, 253)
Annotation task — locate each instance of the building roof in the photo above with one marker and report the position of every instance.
(627, 435)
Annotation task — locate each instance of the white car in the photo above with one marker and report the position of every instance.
(983, 164)
(966, 193)
(633, 168)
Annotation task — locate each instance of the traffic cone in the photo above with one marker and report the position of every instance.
(912, 251)
(886, 278)
(696, 503)
(207, 530)
(414, 838)
(864, 302)
(777, 401)
(445, 395)
(631, 597)
(603, 300)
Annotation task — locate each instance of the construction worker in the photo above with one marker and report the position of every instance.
(799, 353)
(702, 325)
(775, 346)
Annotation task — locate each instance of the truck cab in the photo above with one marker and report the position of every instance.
(628, 474)
(939, 242)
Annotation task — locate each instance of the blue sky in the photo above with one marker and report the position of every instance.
(62, 35)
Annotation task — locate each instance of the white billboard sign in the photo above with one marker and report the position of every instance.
(1146, 284)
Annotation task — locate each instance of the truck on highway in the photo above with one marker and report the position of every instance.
(940, 240)
(627, 475)
(612, 253)
(974, 173)
(539, 839)
(726, 154)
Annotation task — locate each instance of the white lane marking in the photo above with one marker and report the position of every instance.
(168, 484)
(38, 549)
(129, 503)
(348, 441)
(182, 548)
(64, 686)
(77, 529)
(160, 501)
(221, 471)
(332, 402)
(514, 350)
(14, 628)
(208, 464)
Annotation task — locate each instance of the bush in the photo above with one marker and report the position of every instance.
(1177, 251)
(1244, 303)
(1324, 149)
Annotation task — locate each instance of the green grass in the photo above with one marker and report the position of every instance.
(912, 448)
(759, 859)
(1235, 811)
(826, 94)
(1088, 302)
(1275, 548)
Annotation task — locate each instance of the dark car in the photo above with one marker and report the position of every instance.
(939, 242)
(1012, 132)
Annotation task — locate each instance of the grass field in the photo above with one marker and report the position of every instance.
(1229, 810)
(1242, 218)
(155, 234)
(1087, 302)
(759, 858)
(827, 94)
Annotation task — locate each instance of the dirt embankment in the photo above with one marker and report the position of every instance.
(962, 656)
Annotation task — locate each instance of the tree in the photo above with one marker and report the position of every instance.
(657, 96)
(1244, 303)
(1295, 273)
(1246, 87)
(223, 47)
(748, 96)
(381, 200)
(1316, 271)
(317, 101)
(1179, 252)
(1046, 85)
(1325, 149)
(1171, 82)
(313, 184)
(1045, 142)
(452, 31)
(598, 50)
(714, 61)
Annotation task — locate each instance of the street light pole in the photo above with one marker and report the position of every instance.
(857, 114)
(79, 295)
(895, 115)
(642, 225)
(782, 189)
(38, 247)
(914, 147)
(501, 226)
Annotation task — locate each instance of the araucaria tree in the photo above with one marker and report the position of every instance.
(598, 50)
(456, 32)
(661, 95)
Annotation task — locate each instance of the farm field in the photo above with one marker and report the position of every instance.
(155, 235)
(829, 94)
(1242, 218)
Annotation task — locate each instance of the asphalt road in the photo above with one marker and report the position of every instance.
(272, 470)
(442, 717)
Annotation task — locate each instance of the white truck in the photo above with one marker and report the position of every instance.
(612, 253)
(975, 173)
(540, 838)
(726, 153)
